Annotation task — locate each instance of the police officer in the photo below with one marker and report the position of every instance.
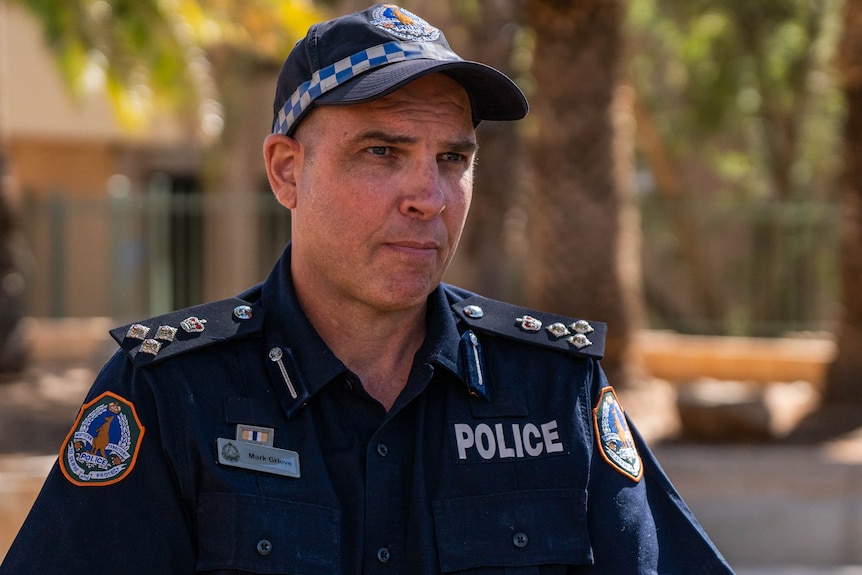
(352, 414)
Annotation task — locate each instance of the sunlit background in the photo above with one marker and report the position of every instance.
(682, 176)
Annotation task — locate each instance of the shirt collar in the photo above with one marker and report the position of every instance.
(315, 365)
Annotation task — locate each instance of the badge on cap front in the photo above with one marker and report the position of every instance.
(403, 24)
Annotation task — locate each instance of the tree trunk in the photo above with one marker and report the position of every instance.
(486, 262)
(584, 229)
(667, 171)
(235, 173)
(843, 377)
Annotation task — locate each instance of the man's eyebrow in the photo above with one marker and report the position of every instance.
(462, 145)
(384, 137)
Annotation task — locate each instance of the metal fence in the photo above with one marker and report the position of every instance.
(136, 255)
(741, 268)
(711, 268)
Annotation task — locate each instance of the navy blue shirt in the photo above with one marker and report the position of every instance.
(228, 438)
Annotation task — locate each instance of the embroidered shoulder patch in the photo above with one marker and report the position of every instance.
(614, 437)
(103, 445)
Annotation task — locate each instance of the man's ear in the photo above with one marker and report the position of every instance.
(283, 157)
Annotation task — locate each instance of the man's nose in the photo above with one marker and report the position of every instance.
(425, 197)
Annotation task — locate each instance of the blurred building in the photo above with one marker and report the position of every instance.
(114, 219)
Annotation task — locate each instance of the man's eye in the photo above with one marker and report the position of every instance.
(453, 157)
(378, 150)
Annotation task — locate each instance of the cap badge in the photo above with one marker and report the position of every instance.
(403, 24)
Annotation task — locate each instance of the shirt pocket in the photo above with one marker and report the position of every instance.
(540, 531)
(246, 533)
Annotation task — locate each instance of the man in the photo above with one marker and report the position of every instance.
(352, 414)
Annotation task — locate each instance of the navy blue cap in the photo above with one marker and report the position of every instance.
(366, 55)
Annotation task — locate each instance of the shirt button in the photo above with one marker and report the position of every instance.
(382, 450)
(520, 540)
(383, 555)
(264, 547)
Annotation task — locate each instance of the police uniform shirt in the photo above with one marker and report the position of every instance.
(227, 438)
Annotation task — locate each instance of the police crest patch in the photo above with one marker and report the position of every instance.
(614, 437)
(103, 445)
(403, 24)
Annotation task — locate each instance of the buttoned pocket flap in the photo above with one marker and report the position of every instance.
(239, 532)
(542, 527)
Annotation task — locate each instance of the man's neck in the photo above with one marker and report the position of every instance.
(377, 346)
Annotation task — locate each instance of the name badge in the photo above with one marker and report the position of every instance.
(258, 457)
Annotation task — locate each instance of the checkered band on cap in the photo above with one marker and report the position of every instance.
(337, 74)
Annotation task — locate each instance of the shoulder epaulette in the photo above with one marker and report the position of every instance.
(577, 336)
(181, 331)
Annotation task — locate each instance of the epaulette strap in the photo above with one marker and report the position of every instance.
(180, 331)
(576, 336)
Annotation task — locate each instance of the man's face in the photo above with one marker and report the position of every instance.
(382, 190)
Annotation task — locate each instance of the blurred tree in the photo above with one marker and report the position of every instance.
(213, 63)
(583, 231)
(155, 54)
(843, 382)
(736, 103)
(489, 262)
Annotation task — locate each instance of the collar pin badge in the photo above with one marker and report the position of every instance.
(193, 325)
(275, 355)
(558, 330)
(529, 323)
(582, 326)
(138, 331)
(151, 346)
(579, 340)
(166, 333)
(242, 312)
(474, 311)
